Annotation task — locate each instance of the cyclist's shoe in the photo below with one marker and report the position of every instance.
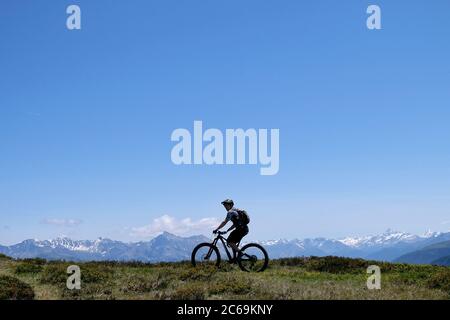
(239, 256)
(236, 259)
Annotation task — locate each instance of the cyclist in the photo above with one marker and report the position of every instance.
(239, 225)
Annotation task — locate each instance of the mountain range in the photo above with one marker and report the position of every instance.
(166, 247)
(438, 254)
(389, 246)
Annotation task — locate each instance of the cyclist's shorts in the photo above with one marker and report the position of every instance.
(237, 234)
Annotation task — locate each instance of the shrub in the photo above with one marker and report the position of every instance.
(235, 287)
(440, 280)
(95, 274)
(413, 277)
(37, 261)
(200, 273)
(4, 257)
(336, 265)
(193, 291)
(292, 262)
(141, 284)
(55, 274)
(28, 268)
(13, 289)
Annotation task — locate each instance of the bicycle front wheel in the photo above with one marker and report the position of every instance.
(205, 254)
(254, 258)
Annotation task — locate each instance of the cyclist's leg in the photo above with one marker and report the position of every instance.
(243, 232)
(232, 241)
(235, 237)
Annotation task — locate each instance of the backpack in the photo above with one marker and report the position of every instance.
(243, 216)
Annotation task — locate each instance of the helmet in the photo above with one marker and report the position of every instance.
(228, 201)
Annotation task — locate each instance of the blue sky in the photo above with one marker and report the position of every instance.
(86, 116)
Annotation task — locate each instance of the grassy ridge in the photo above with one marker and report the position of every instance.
(295, 278)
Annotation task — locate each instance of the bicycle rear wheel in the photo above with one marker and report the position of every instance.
(254, 258)
(204, 255)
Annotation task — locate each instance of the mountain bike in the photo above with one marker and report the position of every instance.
(254, 257)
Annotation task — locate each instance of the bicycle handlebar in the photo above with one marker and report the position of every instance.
(221, 232)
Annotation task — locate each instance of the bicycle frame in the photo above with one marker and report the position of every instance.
(225, 246)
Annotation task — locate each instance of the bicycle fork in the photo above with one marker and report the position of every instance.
(208, 255)
(210, 251)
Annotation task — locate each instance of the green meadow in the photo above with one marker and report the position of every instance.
(292, 278)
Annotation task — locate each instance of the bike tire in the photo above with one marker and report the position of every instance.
(264, 253)
(202, 245)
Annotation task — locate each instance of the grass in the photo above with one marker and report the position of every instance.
(294, 278)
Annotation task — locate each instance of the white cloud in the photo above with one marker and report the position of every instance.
(183, 227)
(62, 222)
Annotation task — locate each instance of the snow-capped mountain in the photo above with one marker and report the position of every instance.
(387, 246)
(167, 247)
(96, 246)
(308, 247)
(388, 238)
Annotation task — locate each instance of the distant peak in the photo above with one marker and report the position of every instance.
(62, 238)
(391, 231)
(30, 241)
(166, 234)
(430, 234)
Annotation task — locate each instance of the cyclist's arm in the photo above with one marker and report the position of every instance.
(222, 225)
(231, 228)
